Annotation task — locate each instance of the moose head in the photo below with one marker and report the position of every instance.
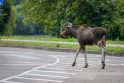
(67, 27)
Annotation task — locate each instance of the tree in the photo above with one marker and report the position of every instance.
(120, 19)
(25, 29)
(9, 27)
(92, 12)
(7, 18)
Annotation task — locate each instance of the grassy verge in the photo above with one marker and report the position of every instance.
(43, 38)
(51, 45)
(48, 38)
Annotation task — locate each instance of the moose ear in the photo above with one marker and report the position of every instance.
(69, 25)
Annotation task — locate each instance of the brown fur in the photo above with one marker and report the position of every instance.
(86, 36)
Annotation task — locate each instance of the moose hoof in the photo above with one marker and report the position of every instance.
(73, 64)
(86, 66)
(103, 67)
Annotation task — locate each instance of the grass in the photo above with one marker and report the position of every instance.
(50, 45)
(54, 45)
(43, 38)
(115, 42)
(48, 38)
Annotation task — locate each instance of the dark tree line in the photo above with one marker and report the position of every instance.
(106, 13)
(47, 16)
(25, 29)
(7, 17)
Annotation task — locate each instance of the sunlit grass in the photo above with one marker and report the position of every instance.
(54, 45)
(43, 38)
(49, 38)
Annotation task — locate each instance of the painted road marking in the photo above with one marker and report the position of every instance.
(122, 64)
(57, 61)
(7, 79)
(24, 62)
(12, 82)
(52, 68)
(38, 79)
(22, 56)
(21, 64)
(64, 69)
(55, 72)
(66, 61)
(48, 75)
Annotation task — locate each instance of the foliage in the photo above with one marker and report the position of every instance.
(120, 19)
(7, 18)
(106, 13)
(25, 29)
(11, 22)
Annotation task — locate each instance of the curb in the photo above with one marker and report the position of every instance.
(60, 49)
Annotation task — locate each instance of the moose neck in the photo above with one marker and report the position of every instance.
(73, 31)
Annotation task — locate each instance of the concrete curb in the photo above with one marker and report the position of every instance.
(59, 49)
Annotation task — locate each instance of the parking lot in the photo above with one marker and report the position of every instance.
(18, 65)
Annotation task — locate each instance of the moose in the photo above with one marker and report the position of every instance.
(86, 35)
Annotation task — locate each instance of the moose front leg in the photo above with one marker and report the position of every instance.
(85, 57)
(86, 63)
(74, 63)
(102, 45)
(103, 57)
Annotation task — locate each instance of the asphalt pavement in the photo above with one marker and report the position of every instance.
(19, 65)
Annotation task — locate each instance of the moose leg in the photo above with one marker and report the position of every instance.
(74, 63)
(103, 57)
(102, 45)
(85, 56)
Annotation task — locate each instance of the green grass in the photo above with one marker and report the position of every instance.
(48, 38)
(115, 42)
(49, 45)
(43, 38)
(54, 45)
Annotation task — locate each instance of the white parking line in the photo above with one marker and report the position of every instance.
(21, 64)
(12, 82)
(28, 62)
(23, 56)
(61, 56)
(57, 61)
(68, 65)
(52, 68)
(38, 79)
(17, 52)
(122, 64)
(116, 61)
(56, 72)
(10, 52)
(48, 75)
(59, 66)
(7, 79)
(113, 64)
(64, 69)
